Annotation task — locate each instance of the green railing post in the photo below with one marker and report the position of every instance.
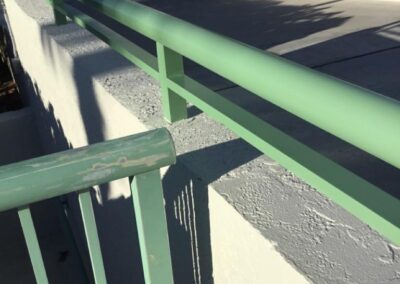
(140, 155)
(92, 238)
(351, 113)
(170, 64)
(60, 19)
(32, 243)
(60, 173)
(148, 203)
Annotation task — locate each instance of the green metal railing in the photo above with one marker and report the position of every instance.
(361, 117)
(138, 156)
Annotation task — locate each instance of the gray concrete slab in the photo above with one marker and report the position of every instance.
(378, 71)
(310, 32)
(282, 25)
(322, 240)
(346, 47)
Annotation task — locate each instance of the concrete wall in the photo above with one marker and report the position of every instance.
(19, 139)
(234, 216)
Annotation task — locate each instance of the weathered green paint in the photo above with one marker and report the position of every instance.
(361, 117)
(32, 243)
(170, 64)
(57, 174)
(92, 238)
(148, 203)
(52, 175)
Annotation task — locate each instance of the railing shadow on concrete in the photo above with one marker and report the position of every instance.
(370, 41)
(90, 102)
(377, 73)
(261, 24)
(88, 65)
(113, 215)
(188, 263)
(323, 174)
(60, 254)
(139, 156)
(188, 208)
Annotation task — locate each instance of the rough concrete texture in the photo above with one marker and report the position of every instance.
(318, 238)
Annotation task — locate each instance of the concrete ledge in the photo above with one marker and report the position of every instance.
(234, 215)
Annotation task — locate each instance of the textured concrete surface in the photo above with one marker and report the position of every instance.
(322, 240)
(318, 238)
(231, 249)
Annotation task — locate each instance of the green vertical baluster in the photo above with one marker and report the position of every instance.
(170, 64)
(32, 243)
(92, 238)
(60, 19)
(148, 202)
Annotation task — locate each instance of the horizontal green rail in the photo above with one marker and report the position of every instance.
(361, 117)
(64, 172)
(138, 156)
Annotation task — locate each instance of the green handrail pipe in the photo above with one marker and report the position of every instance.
(48, 176)
(137, 156)
(345, 110)
(359, 116)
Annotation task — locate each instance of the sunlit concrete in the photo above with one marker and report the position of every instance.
(86, 93)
